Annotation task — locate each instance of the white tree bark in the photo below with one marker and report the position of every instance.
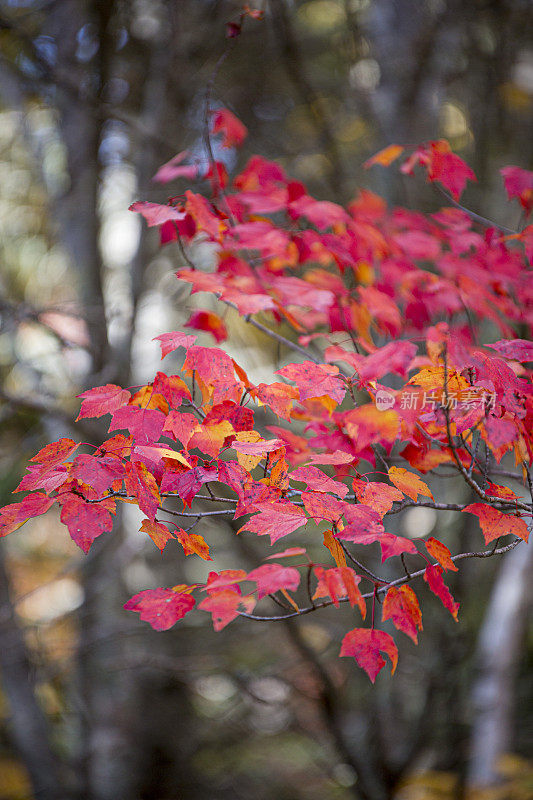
(498, 656)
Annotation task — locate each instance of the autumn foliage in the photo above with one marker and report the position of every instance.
(385, 381)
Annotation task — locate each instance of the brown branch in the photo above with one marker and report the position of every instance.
(488, 223)
(382, 589)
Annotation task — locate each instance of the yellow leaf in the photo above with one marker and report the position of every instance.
(409, 483)
(334, 547)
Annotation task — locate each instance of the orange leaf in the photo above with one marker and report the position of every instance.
(193, 543)
(158, 533)
(401, 606)
(334, 548)
(409, 483)
(385, 157)
(441, 553)
(494, 523)
(209, 438)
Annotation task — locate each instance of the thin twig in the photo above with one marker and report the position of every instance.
(381, 589)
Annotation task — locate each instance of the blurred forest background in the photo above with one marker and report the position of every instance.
(94, 96)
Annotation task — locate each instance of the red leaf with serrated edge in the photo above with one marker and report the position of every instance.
(319, 481)
(495, 524)
(142, 485)
(224, 606)
(210, 364)
(241, 418)
(171, 341)
(442, 165)
(193, 543)
(158, 533)
(233, 131)
(277, 396)
(276, 520)
(85, 521)
(98, 472)
(339, 582)
(144, 424)
(321, 506)
(504, 492)
(226, 578)
(54, 453)
(288, 553)
(391, 545)
(14, 515)
(156, 214)
(401, 606)
(202, 320)
(440, 552)
(450, 170)
(361, 520)
(162, 608)
(519, 183)
(433, 578)
(517, 349)
(48, 479)
(102, 400)
(181, 426)
(172, 388)
(315, 380)
(393, 357)
(187, 483)
(271, 578)
(118, 446)
(366, 647)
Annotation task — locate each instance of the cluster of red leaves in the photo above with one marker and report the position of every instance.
(374, 285)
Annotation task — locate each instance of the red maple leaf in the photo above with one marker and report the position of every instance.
(366, 647)
(98, 472)
(276, 519)
(142, 485)
(272, 577)
(144, 424)
(102, 400)
(162, 608)
(232, 129)
(433, 578)
(85, 521)
(156, 214)
(14, 515)
(315, 380)
(171, 341)
(519, 183)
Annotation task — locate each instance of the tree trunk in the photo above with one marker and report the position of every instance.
(498, 656)
(27, 721)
